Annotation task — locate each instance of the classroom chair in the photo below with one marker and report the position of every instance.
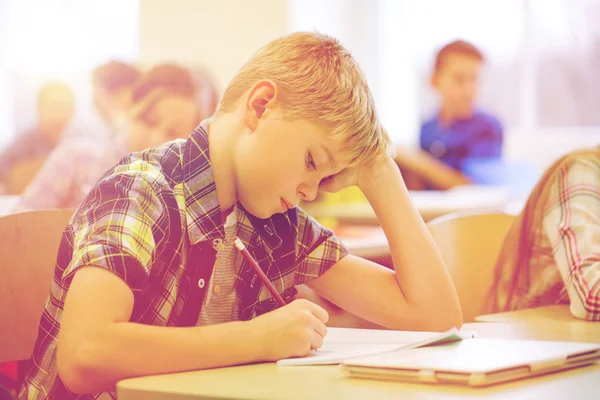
(470, 245)
(28, 252)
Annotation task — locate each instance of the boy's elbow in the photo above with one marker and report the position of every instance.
(447, 319)
(434, 320)
(446, 314)
(75, 370)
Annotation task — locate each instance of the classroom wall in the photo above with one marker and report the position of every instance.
(220, 35)
(6, 117)
(542, 148)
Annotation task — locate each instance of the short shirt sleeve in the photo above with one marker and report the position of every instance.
(115, 228)
(318, 249)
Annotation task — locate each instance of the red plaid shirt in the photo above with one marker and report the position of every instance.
(565, 258)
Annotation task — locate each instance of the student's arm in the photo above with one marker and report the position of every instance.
(418, 294)
(52, 185)
(98, 346)
(434, 172)
(113, 252)
(572, 224)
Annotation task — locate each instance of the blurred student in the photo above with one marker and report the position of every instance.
(163, 108)
(23, 158)
(551, 254)
(112, 84)
(459, 134)
(422, 171)
(208, 96)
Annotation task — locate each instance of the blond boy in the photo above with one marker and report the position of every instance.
(148, 281)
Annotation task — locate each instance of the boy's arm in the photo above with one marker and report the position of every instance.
(98, 346)
(419, 294)
(434, 172)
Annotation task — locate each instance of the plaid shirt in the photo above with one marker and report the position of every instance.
(565, 257)
(155, 221)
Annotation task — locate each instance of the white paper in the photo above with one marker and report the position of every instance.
(342, 344)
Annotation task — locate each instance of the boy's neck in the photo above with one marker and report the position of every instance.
(221, 139)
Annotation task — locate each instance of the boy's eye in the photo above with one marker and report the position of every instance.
(310, 163)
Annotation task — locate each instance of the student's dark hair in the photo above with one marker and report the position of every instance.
(115, 75)
(461, 47)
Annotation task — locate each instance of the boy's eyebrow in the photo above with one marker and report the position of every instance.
(331, 160)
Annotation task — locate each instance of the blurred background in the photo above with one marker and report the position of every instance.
(541, 76)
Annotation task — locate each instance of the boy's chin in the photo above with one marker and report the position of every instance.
(258, 212)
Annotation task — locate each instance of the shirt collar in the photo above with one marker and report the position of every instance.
(203, 212)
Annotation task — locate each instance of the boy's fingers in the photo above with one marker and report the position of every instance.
(318, 311)
(320, 327)
(316, 342)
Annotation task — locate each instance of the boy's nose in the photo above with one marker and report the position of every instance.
(309, 192)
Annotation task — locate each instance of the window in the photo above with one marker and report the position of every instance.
(541, 76)
(59, 39)
(567, 66)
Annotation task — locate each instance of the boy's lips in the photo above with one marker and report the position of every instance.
(286, 206)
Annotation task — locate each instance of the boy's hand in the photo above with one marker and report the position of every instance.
(356, 176)
(291, 331)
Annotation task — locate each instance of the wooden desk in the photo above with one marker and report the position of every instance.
(557, 318)
(430, 204)
(534, 331)
(267, 381)
(364, 241)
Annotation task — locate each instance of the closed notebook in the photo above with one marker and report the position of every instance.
(344, 343)
(476, 362)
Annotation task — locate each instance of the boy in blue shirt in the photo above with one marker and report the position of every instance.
(459, 134)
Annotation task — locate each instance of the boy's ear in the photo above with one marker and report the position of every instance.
(261, 97)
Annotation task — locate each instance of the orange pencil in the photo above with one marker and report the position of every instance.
(238, 243)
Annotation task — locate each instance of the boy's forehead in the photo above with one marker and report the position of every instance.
(320, 139)
(336, 152)
(454, 61)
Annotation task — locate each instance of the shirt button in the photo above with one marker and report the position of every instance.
(201, 283)
(216, 289)
(218, 244)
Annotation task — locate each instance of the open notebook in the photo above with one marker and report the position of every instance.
(344, 343)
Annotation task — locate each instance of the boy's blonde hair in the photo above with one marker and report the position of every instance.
(319, 81)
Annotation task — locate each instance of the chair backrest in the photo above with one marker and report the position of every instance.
(470, 245)
(28, 248)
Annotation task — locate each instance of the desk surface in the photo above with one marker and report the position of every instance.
(430, 204)
(267, 381)
(549, 317)
(364, 241)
